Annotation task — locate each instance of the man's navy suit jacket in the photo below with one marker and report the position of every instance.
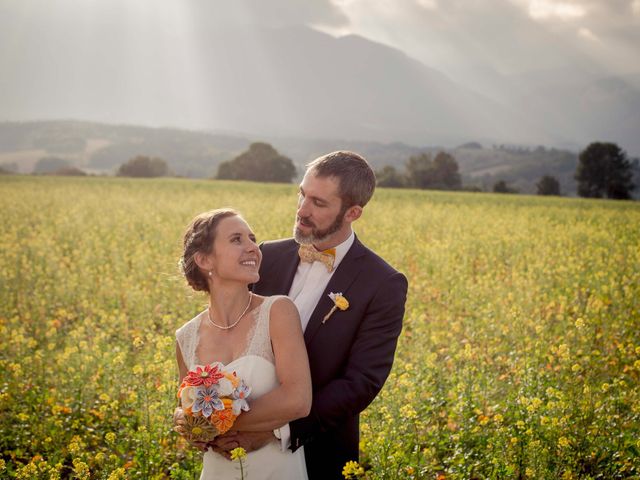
(350, 355)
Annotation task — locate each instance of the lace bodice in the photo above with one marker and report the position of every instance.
(258, 339)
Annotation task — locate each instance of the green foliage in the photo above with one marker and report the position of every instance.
(70, 172)
(261, 163)
(389, 177)
(142, 166)
(9, 167)
(548, 185)
(440, 173)
(604, 171)
(50, 165)
(502, 187)
(519, 167)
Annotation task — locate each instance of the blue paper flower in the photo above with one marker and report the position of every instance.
(207, 401)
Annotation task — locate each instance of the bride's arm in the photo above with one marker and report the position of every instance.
(182, 368)
(292, 398)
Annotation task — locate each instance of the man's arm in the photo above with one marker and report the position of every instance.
(368, 366)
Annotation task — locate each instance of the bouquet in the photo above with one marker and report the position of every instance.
(211, 398)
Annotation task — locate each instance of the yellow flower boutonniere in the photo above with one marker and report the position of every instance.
(340, 303)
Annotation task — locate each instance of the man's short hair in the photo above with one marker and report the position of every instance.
(356, 180)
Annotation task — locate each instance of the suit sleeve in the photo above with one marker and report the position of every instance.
(367, 368)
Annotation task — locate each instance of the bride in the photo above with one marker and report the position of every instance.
(260, 336)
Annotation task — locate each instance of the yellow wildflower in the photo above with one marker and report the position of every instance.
(238, 453)
(80, 469)
(117, 474)
(352, 470)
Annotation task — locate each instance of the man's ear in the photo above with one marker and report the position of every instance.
(353, 213)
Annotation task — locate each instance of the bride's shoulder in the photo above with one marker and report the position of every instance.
(190, 326)
(281, 307)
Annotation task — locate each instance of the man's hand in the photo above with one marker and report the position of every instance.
(250, 441)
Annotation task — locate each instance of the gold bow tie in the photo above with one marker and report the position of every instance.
(309, 254)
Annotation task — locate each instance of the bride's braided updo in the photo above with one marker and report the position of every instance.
(199, 238)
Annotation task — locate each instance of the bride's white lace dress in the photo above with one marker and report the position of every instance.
(256, 366)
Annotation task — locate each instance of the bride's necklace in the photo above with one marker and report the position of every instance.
(228, 327)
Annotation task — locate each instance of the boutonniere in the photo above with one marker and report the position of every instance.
(339, 303)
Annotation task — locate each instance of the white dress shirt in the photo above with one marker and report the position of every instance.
(308, 286)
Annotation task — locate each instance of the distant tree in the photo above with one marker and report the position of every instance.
(471, 146)
(419, 170)
(548, 185)
(501, 187)
(9, 167)
(261, 163)
(604, 170)
(389, 177)
(142, 166)
(70, 172)
(5, 171)
(440, 173)
(49, 164)
(447, 176)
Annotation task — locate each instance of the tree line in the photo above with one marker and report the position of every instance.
(603, 171)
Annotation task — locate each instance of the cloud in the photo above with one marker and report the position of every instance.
(588, 35)
(544, 9)
(507, 36)
(428, 4)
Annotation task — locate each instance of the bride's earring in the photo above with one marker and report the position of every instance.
(210, 274)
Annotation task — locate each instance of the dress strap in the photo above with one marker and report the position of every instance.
(187, 337)
(260, 339)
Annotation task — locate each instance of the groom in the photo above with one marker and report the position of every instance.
(350, 351)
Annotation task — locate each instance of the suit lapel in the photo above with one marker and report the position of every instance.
(289, 261)
(340, 282)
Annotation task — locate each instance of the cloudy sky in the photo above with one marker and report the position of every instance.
(145, 61)
(455, 36)
(510, 36)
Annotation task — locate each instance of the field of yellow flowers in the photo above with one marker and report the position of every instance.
(519, 358)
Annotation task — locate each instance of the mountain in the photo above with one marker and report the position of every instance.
(296, 82)
(101, 148)
(291, 81)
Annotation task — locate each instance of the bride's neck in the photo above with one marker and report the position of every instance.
(227, 302)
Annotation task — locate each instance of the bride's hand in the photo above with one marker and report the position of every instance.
(178, 426)
(178, 420)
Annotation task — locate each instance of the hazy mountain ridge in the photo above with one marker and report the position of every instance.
(101, 148)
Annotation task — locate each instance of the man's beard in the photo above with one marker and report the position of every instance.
(319, 236)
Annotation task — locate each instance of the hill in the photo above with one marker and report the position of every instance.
(101, 148)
